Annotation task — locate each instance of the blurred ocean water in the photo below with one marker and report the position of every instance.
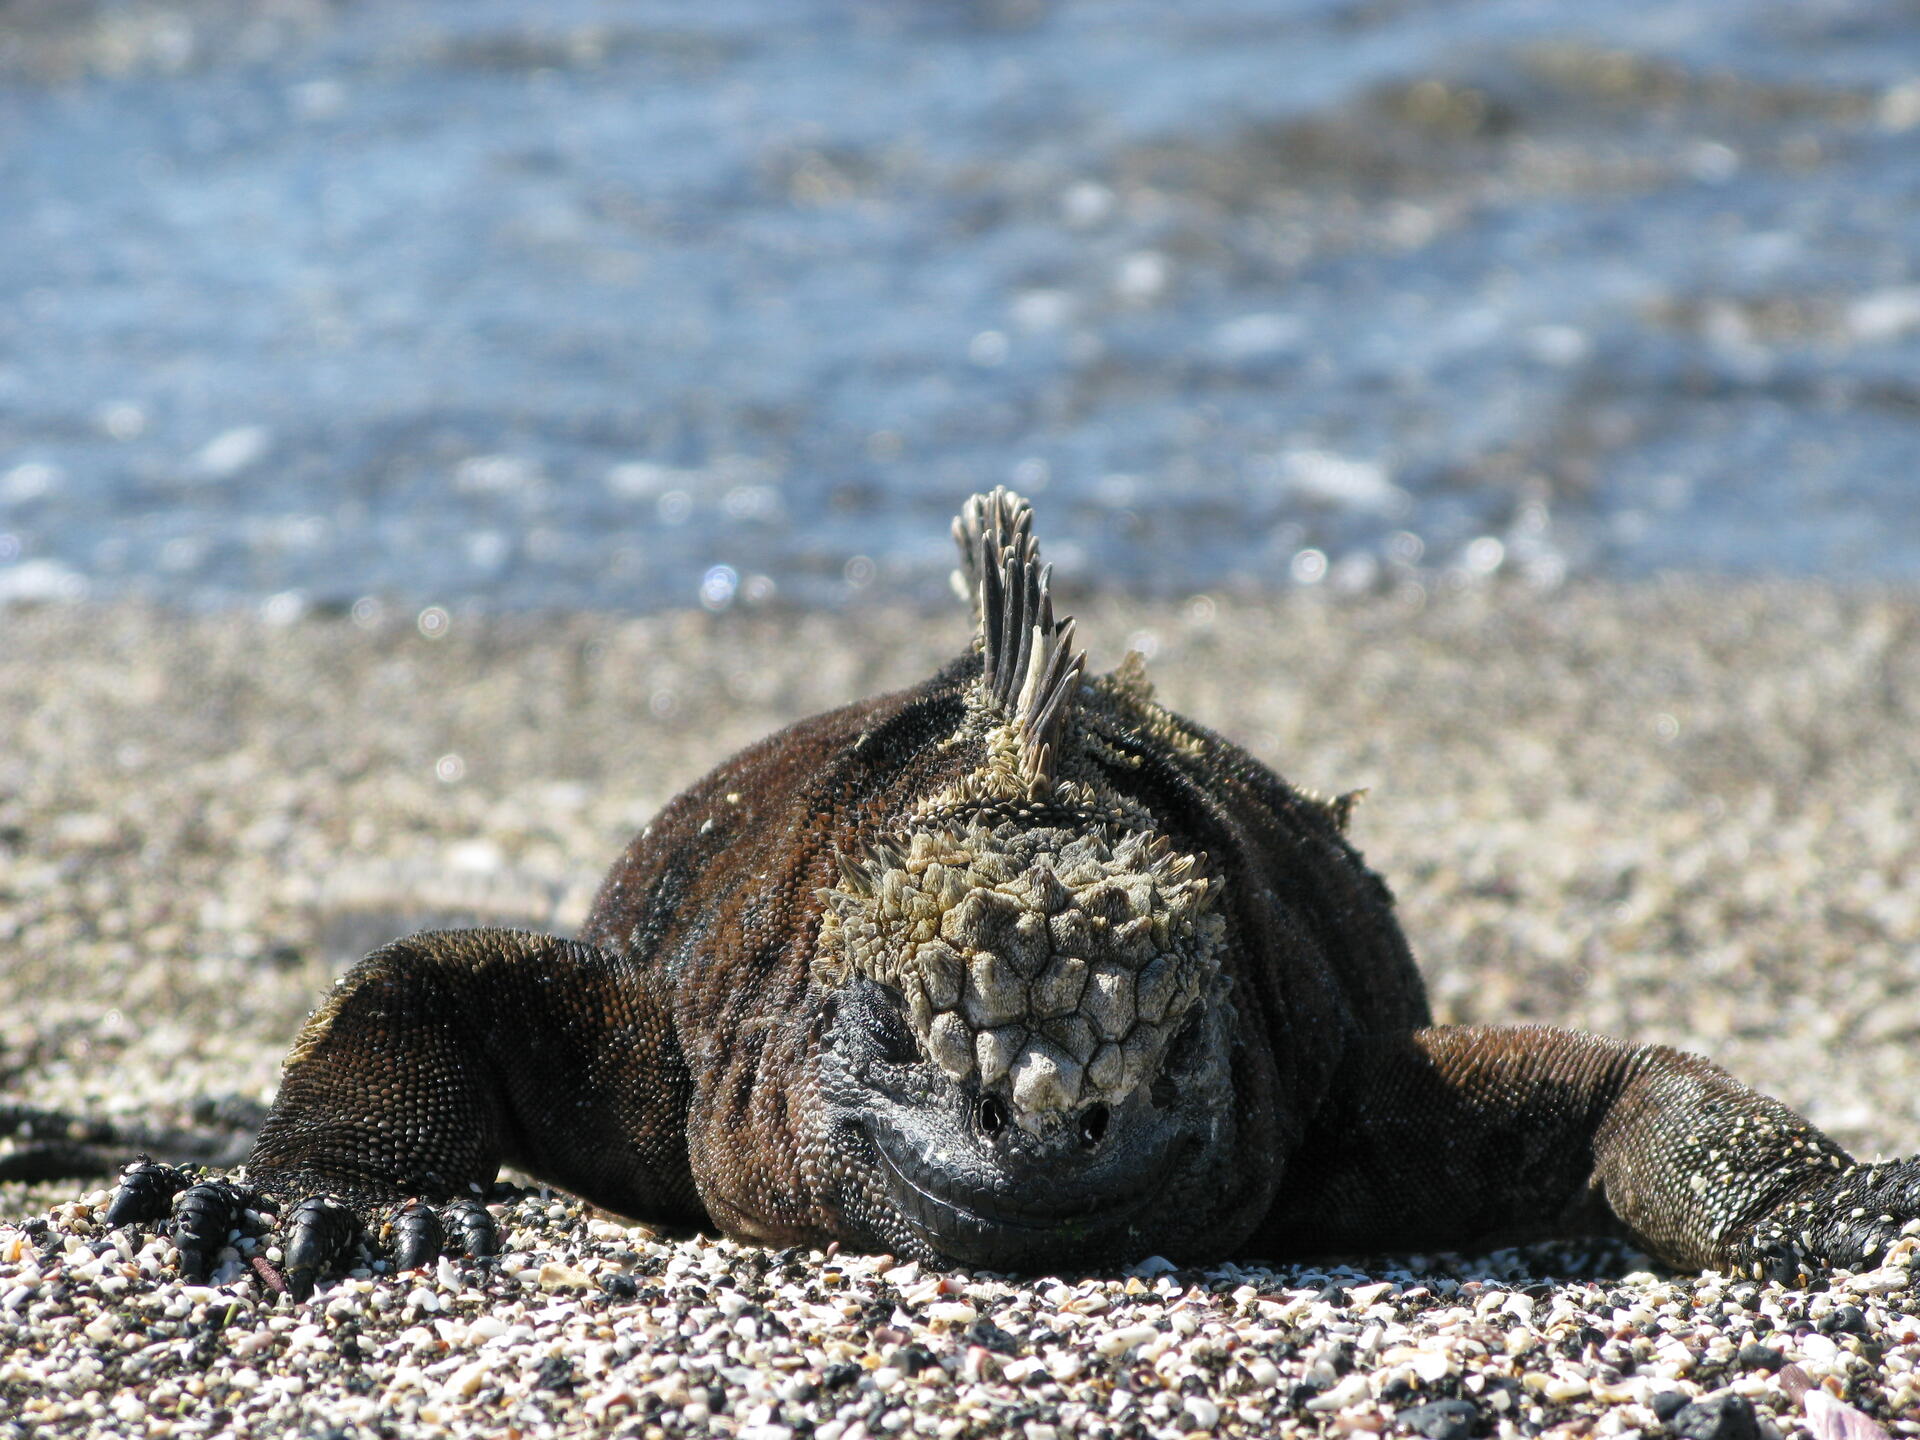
(644, 304)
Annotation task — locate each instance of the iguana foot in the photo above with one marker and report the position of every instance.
(1850, 1220)
(317, 1232)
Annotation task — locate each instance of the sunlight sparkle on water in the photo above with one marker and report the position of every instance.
(717, 587)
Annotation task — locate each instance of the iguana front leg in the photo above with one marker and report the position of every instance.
(434, 1061)
(1455, 1135)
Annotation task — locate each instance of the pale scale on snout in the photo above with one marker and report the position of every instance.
(1044, 962)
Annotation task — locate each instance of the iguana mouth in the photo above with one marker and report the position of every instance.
(962, 1223)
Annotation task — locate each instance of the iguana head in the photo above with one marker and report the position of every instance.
(1031, 1039)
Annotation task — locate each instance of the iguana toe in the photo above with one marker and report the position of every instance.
(470, 1223)
(421, 1233)
(204, 1214)
(318, 1231)
(145, 1192)
(1871, 1207)
(417, 1236)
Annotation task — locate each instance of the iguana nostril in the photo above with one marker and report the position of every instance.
(990, 1115)
(1093, 1125)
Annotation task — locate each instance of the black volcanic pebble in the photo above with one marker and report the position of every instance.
(1725, 1416)
(1441, 1419)
(992, 1337)
(1842, 1320)
(1669, 1403)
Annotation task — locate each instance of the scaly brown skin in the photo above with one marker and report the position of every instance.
(859, 984)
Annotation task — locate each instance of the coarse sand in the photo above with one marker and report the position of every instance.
(1680, 812)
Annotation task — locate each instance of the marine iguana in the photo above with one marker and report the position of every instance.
(1014, 969)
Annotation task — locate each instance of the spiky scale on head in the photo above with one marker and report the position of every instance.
(1030, 671)
(1050, 962)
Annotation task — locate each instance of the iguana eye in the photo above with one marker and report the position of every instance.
(1165, 1090)
(897, 1045)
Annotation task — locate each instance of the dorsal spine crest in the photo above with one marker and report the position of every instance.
(1030, 669)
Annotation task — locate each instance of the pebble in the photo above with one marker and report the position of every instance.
(1115, 1342)
(1818, 1348)
(1261, 1371)
(1441, 1419)
(564, 1277)
(1886, 1280)
(1344, 1393)
(1720, 1416)
(1431, 1364)
(1669, 1403)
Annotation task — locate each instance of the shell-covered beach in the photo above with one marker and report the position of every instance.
(1679, 812)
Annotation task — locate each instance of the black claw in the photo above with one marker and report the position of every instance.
(203, 1215)
(318, 1230)
(145, 1192)
(469, 1222)
(417, 1236)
